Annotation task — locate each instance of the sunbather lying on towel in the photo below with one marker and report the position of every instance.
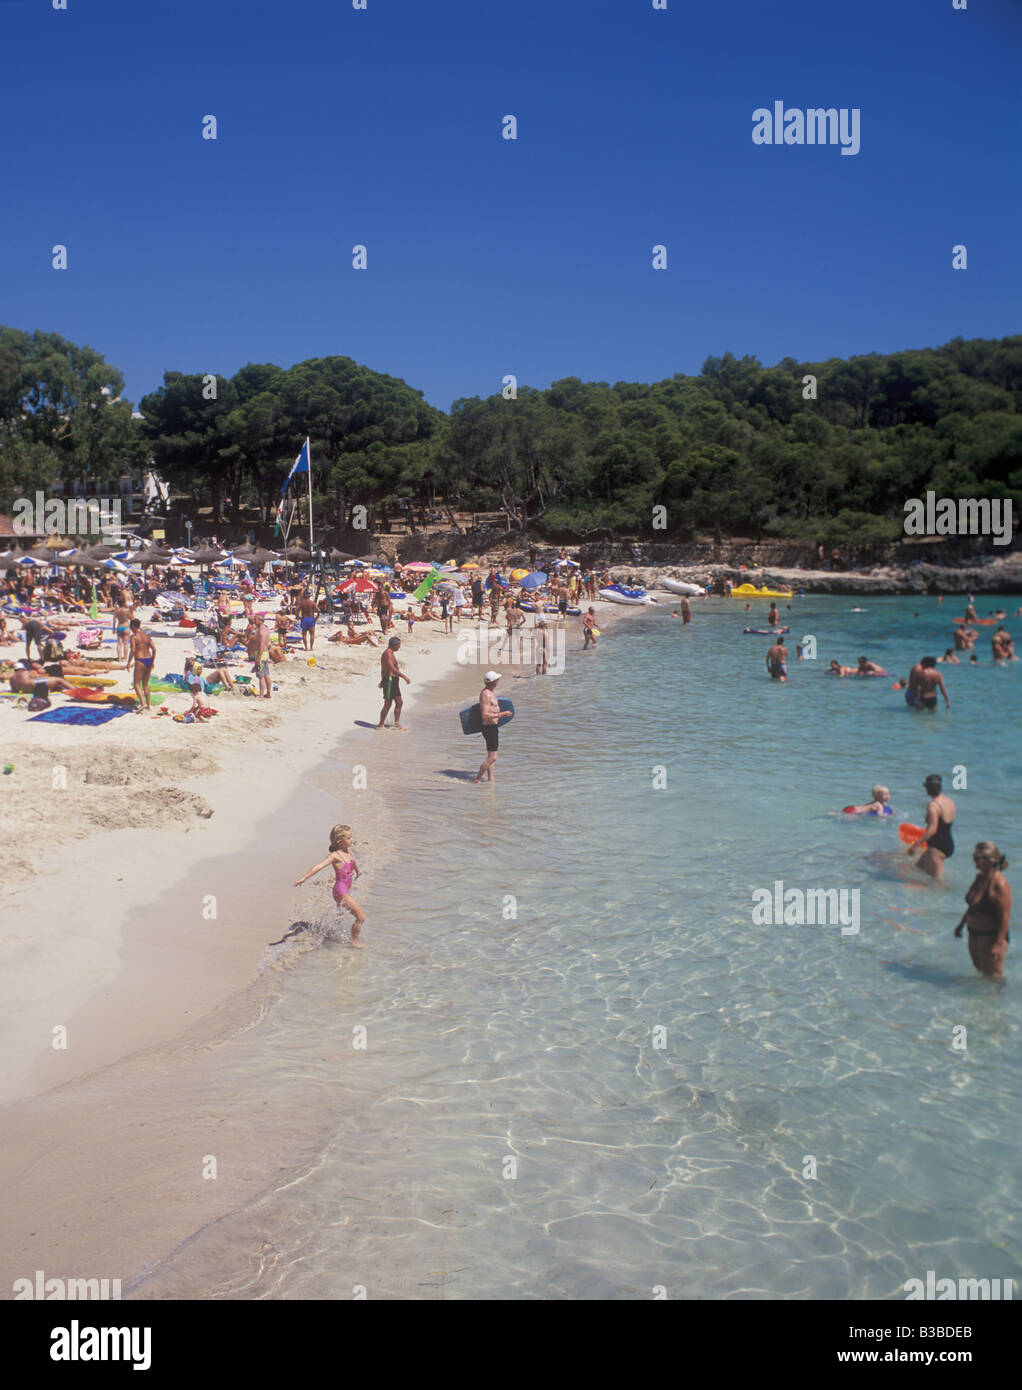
(355, 639)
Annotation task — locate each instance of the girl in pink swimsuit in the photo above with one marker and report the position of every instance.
(345, 870)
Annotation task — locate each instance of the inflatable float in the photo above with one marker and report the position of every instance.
(910, 834)
(979, 622)
(765, 631)
(84, 694)
(678, 586)
(472, 718)
(750, 591)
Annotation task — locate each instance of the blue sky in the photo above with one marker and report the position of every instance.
(488, 256)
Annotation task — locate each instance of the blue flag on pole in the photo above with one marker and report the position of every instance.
(300, 465)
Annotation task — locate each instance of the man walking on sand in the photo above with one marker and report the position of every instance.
(384, 609)
(392, 676)
(307, 611)
(492, 714)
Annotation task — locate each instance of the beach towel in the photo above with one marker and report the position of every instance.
(90, 637)
(76, 714)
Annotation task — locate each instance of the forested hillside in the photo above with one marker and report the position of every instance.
(740, 447)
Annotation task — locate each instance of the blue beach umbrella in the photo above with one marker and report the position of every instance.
(535, 580)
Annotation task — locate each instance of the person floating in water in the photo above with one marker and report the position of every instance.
(869, 668)
(345, 870)
(879, 806)
(936, 842)
(988, 913)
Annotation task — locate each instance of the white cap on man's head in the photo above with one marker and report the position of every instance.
(491, 676)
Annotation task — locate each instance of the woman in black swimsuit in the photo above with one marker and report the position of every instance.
(988, 912)
(936, 843)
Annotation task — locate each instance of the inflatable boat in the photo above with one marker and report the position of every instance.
(617, 593)
(678, 586)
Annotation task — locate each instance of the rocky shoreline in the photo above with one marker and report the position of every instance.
(899, 568)
(998, 576)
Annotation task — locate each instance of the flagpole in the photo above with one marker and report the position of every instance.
(308, 450)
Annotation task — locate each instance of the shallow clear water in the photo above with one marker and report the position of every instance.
(620, 1086)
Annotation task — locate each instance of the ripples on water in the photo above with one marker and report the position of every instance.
(654, 1069)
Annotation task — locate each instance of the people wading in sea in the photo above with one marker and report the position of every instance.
(924, 680)
(491, 714)
(345, 870)
(776, 659)
(988, 913)
(936, 842)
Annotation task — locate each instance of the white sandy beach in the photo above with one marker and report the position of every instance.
(110, 936)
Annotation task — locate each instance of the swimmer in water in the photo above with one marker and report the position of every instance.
(776, 658)
(924, 680)
(836, 669)
(950, 658)
(879, 806)
(936, 841)
(345, 869)
(869, 668)
(989, 911)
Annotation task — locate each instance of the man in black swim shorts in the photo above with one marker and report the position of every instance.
(776, 661)
(491, 715)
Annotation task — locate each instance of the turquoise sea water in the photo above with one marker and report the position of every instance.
(587, 1072)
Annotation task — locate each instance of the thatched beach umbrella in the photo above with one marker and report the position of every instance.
(207, 555)
(258, 555)
(154, 556)
(77, 559)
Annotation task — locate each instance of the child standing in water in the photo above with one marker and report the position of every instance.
(345, 869)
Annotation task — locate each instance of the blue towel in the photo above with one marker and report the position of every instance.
(78, 714)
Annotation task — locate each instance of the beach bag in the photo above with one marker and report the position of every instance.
(53, 649)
